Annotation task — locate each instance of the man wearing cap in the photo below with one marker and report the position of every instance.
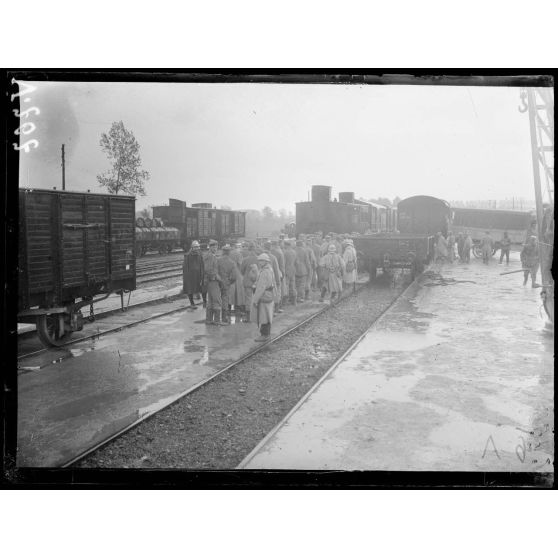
(192, 273)
(264, 296)
(302, 268)
(333, 267)
(290, 258)
(249, 270)
(227, 271)
(212, 282)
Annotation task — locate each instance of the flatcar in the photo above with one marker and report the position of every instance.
(201, 221)
(153, 235)
(348, 215)
(495, 221)
(75, 249)
(423, 215)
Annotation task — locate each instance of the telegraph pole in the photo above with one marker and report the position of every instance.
(63, 170)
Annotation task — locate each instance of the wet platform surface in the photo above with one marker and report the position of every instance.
(96, 387)
(456, 376)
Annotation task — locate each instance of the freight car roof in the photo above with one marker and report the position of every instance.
(49, 191)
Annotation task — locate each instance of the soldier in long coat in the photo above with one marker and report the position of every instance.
(350, 260)
(451, 247)
(460, 241)
(192, 273)
(313, 264)
(316, 249)
(441, 247)
(333, 266)
(236, 290)
(487, 245)
(212, 283)
(227, 272)
(281, 288)
(530, 260)
(249, 271)
(290, 258)
(302, 269)
(264, 297)
(467, 246)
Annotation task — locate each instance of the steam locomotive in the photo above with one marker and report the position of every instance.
(348, 215)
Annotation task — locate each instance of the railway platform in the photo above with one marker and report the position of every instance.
(456, 376)
(71, 399)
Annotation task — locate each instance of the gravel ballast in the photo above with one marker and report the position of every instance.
(217, 425)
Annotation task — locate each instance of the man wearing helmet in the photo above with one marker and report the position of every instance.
(333, 267)
(227, 272)
(192, 274)
(264, 296)
(212, 282)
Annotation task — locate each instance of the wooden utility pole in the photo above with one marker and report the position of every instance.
(63, 170)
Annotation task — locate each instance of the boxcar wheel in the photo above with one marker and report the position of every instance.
(51, 330)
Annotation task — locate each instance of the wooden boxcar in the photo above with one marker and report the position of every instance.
(423, 215)
(153, 235)
(202, 221)
(73, 247)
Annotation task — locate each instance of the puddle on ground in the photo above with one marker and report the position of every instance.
(190, 347)
(382, 341)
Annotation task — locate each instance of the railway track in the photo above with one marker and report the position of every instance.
(209, 379)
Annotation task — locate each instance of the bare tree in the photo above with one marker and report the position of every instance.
(122, 150)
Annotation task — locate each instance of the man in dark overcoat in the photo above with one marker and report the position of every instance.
(192, 273)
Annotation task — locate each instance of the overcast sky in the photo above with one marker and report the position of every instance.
(251, 145)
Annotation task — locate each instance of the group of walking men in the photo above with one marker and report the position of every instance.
(259, 279)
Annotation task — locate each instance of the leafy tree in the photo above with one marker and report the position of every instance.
(122, 150)
(146, 212)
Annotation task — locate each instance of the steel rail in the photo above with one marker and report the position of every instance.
(160, 278)
(200, 384)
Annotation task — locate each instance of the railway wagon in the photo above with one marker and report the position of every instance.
(75, 249)
(348, 215)
(152, 234)
(423, 215)
(201, 221)
(394, 250)
(495, 221)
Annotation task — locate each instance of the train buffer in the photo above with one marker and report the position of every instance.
(456, 376)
